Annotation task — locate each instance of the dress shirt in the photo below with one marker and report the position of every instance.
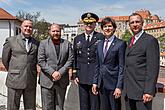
(90, 38)
(137, 36)
(110, 40)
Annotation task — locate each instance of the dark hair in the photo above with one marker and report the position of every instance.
(108, 20)
(136, 14)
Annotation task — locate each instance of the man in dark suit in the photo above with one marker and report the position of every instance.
(85, 60)
(141, 67)
(55, 56)
(19, 57)
(110, 67)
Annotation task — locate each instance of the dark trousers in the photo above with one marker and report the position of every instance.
(88, 101)
(14, 96)
(52, 97)
(137, 104)
(108, 101)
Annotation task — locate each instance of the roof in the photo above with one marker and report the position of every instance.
(117, 18)
(155, 25)
(4, 15)
(144, 13)
(154, 17)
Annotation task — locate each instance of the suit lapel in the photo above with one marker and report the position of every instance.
(20, 42)
(111, 46)
(93, 40)
(83, 40)
(138, 42)
(61, 50)
(52, 48)
(100, 50)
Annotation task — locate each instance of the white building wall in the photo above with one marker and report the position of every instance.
(162, 60)
(5, 31)
(13, 26)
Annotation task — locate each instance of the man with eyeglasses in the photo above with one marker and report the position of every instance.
(84, 61)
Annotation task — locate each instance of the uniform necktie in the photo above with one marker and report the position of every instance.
(88, 40)
(27, 45)
(106, 47)
(132, 41)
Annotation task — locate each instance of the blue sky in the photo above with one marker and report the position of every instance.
(69, 11)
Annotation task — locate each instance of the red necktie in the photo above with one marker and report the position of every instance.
(132, 41)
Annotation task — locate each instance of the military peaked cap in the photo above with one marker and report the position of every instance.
(89, 17)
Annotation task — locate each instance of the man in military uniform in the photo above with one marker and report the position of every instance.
(85, 56)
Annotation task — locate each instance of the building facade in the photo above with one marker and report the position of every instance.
(162, 59)
(156, 29)
(123, 24)
(9, 26)
(69, 32)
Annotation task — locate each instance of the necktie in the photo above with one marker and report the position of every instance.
(106, 47)
(88, 40)
(132, 41)
(27, 45)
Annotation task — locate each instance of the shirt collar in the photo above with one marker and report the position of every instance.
(137, 36)
(23, 37)
(111, 38)
(91, 34)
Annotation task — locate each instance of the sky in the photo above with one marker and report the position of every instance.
(70, 11)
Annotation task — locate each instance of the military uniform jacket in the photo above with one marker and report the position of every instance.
(20, 64)
(85, 57)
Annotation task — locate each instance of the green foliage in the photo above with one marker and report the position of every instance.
(127, 35)
(26, 15)
(40, 26)
(162, 41)
(162, 47)
(41, 29)
(162, 38)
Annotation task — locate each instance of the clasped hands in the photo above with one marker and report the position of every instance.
(147, 97)
(56, 76)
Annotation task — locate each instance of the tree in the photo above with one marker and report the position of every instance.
(26, 15)
(41, 29)
(162, 38)
(40, 26)
(162, 41)
(127, 35)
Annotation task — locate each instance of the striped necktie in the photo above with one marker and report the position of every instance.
(106, 47)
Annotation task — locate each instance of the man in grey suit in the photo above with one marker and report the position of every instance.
(141, 67)
(55, 56)
(19, 57)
